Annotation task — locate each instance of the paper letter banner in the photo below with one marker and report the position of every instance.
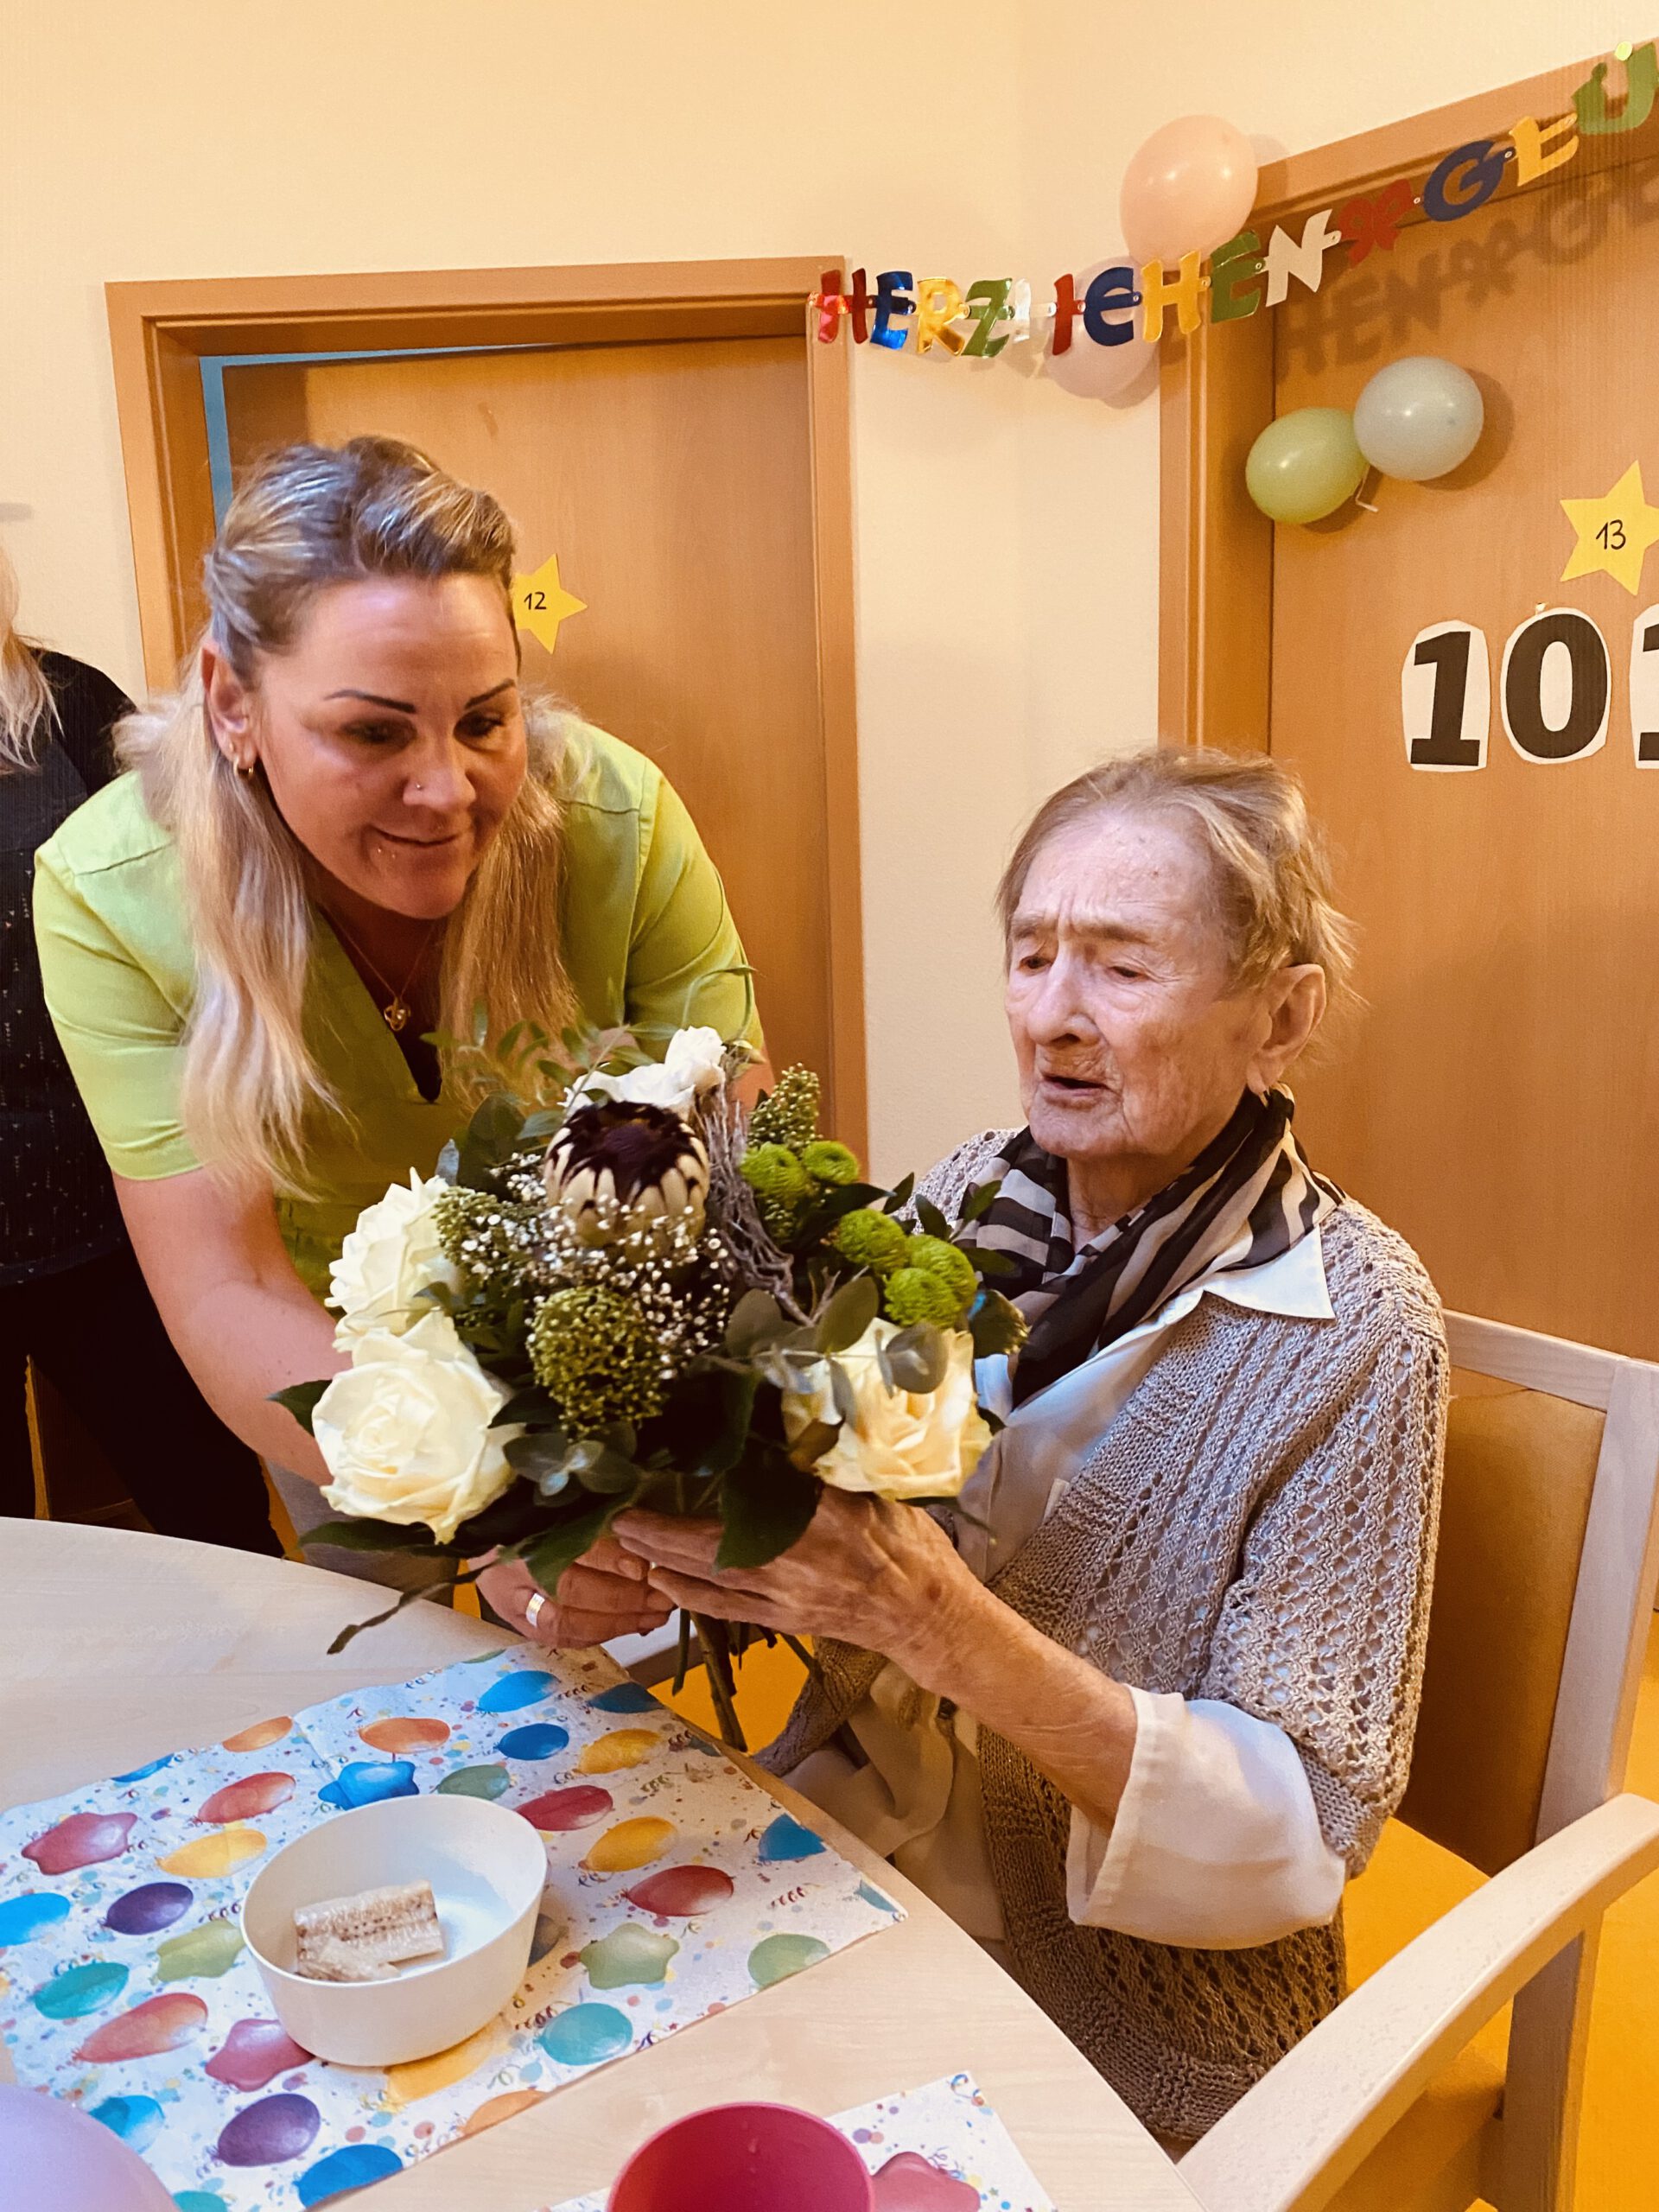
(1445, 698)
(675, 1888)
(1239, 277)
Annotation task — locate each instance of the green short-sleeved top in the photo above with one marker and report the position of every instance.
(648, 941)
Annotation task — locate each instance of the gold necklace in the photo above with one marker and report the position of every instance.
(396, 1011)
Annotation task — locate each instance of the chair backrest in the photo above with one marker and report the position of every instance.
(1544, 1585)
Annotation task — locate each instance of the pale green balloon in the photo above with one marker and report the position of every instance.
(1304, 466)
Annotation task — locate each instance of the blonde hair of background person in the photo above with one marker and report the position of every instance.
(350, 797)
(26, 703)
(249, 1077)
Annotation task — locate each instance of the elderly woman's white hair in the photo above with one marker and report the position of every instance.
(1269, 861)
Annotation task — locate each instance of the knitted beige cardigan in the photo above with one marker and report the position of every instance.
(1257, 1526)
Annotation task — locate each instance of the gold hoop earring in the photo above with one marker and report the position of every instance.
(245, 768)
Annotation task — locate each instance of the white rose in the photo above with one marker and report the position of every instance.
(693, 1064)
(405, 1431)
(391, 1256)
(902, 1443)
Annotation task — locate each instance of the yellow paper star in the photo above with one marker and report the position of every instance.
(540, 602)
(1614, 532)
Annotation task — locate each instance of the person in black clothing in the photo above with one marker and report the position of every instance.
(72, 1298)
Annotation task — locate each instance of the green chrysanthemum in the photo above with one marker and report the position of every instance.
(789, 1115)
(828, 1162)
(913, 1294)
(953, 1268)
(871, 1239)
(592, 1351)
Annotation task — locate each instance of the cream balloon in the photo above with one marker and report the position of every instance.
(1121, 373)
(1188, 189)
(1305, 464)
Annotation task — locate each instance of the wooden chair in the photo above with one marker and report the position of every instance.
(1544, 1587)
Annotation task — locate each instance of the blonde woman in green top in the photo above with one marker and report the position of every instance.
(350, 832)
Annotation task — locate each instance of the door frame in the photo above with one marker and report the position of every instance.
(1215, 586)
(160, 332)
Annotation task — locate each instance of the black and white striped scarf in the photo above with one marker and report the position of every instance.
(1247, 1198)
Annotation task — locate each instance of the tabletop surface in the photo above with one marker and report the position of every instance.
(115, 1648)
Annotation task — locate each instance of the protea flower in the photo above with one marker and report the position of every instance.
(620, 1167)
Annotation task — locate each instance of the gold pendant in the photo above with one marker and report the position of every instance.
(396, 1016)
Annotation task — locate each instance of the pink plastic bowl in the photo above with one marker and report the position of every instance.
(745, 2158)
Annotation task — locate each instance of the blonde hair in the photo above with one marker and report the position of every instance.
(1268, 863)
(27, 706)
(309, 518)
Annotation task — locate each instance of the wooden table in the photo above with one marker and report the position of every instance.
(115, 1648)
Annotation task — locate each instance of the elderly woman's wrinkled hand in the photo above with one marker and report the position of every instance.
(604, 1594)
(865, 1572)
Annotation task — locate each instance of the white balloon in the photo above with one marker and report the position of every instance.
(1418, 417)
(1124, 373)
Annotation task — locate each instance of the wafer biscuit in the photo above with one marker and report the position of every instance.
(367, 1936)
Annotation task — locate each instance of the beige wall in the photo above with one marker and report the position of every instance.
(1006, 532)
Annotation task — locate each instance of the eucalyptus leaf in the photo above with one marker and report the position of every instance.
(917, 1358)
(450, 1161)
(600, 1468)
(841, 1389)
(543, 1450)
(756, 1322)
(301, 1400)
(848, 1313)
(546, 1121)
(766, 1506)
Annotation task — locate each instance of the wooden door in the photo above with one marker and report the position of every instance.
(1497, 1101)
(673, 481)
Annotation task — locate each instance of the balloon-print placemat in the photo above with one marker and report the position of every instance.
(940, 2149)
(674, 1887)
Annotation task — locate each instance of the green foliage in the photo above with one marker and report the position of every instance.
(871, 1239)
(995, 1326)
(847, 1316)
(596, 1358)
(767, 1503)
(789, 1115)
(301, 1400)
(917, 1358)
(913, 1294)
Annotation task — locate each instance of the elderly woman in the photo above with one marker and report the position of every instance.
(1136, 1714)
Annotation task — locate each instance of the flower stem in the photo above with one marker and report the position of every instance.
(717, 1657)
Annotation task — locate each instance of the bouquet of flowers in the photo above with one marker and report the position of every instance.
(645, 1295)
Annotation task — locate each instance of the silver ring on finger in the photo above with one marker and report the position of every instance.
(533, 1610)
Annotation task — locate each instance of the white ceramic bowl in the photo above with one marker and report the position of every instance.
(488, 1867)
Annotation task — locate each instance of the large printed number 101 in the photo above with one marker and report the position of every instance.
(1554, 691)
